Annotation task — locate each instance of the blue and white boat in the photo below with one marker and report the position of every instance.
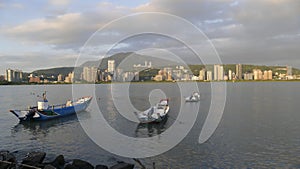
(44, 111)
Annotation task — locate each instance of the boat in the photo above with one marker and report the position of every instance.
(44, 111)
(195, 97)
(156, 113)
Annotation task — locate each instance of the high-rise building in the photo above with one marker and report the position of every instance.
(9, 75)
(18, 76)
(258, 75)
(270, 75)
(168, 73)
(202, 74)
(70, 78)
(90, 74)
(221, 73)
(111, 66)
(218, 72)
(14, 75)
(229, 74)
(209, 75)
(239, 71)
(177, 74)
(60, 78)
(248, 76)
(266, 75)
(187, 77)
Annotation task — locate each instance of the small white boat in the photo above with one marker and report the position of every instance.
(156, 113)
(195, 97)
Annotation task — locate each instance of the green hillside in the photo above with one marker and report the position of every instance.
(246, 68)
(126, 61)
(54, 71)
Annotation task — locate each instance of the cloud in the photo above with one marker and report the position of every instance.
(59, 2)
(17, 5)
(191, 9)
(268, 18)
(61, 30)
(2, 5)
(242, 31)
(44, 60)
(11, 5)
(70, 30)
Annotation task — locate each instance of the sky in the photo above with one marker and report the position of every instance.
(38, 34)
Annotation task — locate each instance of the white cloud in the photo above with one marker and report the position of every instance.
(2, 5)
(269, 17)
(17, 5)
(69, 30)
(59, 2)
(242, 30)
(63, 29)
(11, 5)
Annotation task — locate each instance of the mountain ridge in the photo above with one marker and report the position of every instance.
(127, 59)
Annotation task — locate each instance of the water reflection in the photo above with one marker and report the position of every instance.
(43, 127)
(151, 129)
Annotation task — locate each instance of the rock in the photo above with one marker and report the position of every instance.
(82, 164)
(7, 156)
(34, 158)
(6, 165)
(71, 166)
(101, 167)
(122, 165)
(58, 162)
(3, 154)
(49, 167)
(11, 158)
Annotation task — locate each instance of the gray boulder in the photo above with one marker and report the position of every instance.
(79, 164)
(101, 167)
(7, 156)
(49, 167)
(34, 158)
(7, 165)
(70, 166)
(122, 165)
(58, 162)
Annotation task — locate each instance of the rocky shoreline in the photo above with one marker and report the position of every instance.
(35, 160)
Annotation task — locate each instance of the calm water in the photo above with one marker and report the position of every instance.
(259, 129)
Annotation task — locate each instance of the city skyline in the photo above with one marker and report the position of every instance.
(93, 74)
(44, 34)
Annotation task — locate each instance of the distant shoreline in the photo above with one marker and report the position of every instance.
(238, 81)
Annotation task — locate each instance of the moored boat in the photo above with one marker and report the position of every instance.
(156, 113)
(195, 97)
(44, 111)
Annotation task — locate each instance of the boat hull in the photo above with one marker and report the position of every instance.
(192, 100)
(52, 112)
(153, 114)
(195, 97)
